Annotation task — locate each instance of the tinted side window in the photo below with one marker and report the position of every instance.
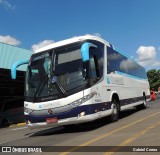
(122, 63)
(111, 60)
(118, 62)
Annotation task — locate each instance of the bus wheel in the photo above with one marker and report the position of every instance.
(144, 104)
(115, 111)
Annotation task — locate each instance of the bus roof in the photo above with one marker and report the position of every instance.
(71, 40)
(81, 38)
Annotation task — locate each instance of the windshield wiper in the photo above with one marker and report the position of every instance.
(58, 84)
(56, 81)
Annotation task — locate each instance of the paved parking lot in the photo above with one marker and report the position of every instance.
(138, 129)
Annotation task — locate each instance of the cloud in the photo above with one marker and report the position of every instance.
(42, 44)
(6, 4)
(147, 56)
(9, 40)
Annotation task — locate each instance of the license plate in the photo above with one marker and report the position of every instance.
(51, 120)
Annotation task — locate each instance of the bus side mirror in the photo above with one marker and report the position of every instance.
(15, 66)
(85, 50)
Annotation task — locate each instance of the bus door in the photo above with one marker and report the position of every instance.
(94, 81)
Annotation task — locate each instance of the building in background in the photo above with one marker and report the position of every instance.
(11, 91)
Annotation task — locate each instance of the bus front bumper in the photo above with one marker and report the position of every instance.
(61, 122)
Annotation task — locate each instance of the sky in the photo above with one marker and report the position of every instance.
(132, 26)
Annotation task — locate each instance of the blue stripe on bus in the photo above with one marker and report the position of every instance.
(128, 75)
(89, 109)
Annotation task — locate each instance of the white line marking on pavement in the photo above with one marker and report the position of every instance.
(12, 140)
(19, 128)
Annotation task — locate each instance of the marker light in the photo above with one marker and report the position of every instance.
(82, 114)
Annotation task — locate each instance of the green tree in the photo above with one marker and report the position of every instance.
(154, 79)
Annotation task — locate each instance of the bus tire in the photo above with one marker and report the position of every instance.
(144, 104)
(115, 111)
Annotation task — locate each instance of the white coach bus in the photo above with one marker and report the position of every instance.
(80, 80)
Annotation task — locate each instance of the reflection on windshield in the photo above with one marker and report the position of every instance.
(67, 69)
(37, 73)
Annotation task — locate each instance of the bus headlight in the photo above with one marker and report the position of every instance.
(82, 114)
(82, 100)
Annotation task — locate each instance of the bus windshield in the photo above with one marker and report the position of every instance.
(54, 72)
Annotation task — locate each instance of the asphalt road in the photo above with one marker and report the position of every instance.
(136, 132)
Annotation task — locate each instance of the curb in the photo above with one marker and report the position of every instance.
(19, 124)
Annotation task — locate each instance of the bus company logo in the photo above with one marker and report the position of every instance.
(115, 80)
(51, 105)
(40, 106)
